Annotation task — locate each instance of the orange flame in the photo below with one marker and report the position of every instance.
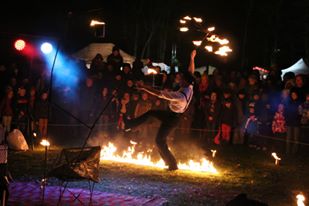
(109, 151)
(300, 199)
(197, 43)
(183, 29)
(187, 18)
(214, 38)
(151, 71)
(209, 48)
(182, 21)
(277, 159)
(211, 29)
(213, 153)
(198, 20)
(223, 51)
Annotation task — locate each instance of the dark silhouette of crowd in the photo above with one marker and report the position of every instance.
(229, 107)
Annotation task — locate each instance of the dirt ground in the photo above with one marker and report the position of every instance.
(241, 170)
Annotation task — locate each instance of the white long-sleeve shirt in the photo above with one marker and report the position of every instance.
(178, 100)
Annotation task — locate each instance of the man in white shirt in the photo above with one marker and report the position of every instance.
(178, 103)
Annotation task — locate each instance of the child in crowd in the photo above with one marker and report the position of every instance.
(252, 123)
(279, 128)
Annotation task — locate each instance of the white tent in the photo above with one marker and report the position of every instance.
(300, 67)
(105, 49)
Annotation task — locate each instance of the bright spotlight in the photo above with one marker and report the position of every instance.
(46, 48)
(19, 44)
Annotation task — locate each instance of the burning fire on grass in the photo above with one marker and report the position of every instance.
(300, 199)
(109, 152)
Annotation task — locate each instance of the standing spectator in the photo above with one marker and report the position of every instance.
(31, 108)
(132, 105)
(4, 79)
(212, 113)
(227, 122)
(293, 118)
(305, 111)
(305, 120)
(252, 86)
(240, 107)
(137, 69)
(42, 114)
(124, 103)
(279, 128)
(143, 106)
(97, 65)
(300, 87)
(7, 110)
(88, 100)
(22, 111)
(252, 123)
(106, 117)
(203, 85)
(115, 59)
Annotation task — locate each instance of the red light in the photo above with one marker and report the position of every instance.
(20, 44)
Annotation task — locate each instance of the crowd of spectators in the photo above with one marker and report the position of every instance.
(229, 107)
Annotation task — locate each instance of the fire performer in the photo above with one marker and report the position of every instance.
(179, 101)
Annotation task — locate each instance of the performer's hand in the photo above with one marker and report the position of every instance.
(193, 54)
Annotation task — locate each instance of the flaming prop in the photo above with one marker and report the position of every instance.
(151, 71)
(213, 153)
(220, 45)
(300, 200)
(277, 159)
(109, 152)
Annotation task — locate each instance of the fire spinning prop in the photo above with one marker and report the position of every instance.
(109, 151)
(213, 43)
(300, 200)
(277, 159)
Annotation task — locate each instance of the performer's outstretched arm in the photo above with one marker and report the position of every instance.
(191, 67)
(149, 90)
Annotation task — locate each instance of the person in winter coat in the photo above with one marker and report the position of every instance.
(292, 116)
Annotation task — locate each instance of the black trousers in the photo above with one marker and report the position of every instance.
(168, 121)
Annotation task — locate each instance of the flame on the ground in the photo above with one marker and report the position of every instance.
(300, 200)
(109, 152)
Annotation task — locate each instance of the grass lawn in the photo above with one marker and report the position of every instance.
(242, 170)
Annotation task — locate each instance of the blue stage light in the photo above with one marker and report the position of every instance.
(46, 48)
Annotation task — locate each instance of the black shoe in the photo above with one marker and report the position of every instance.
(127, 128)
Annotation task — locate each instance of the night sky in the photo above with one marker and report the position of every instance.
(255, 29)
